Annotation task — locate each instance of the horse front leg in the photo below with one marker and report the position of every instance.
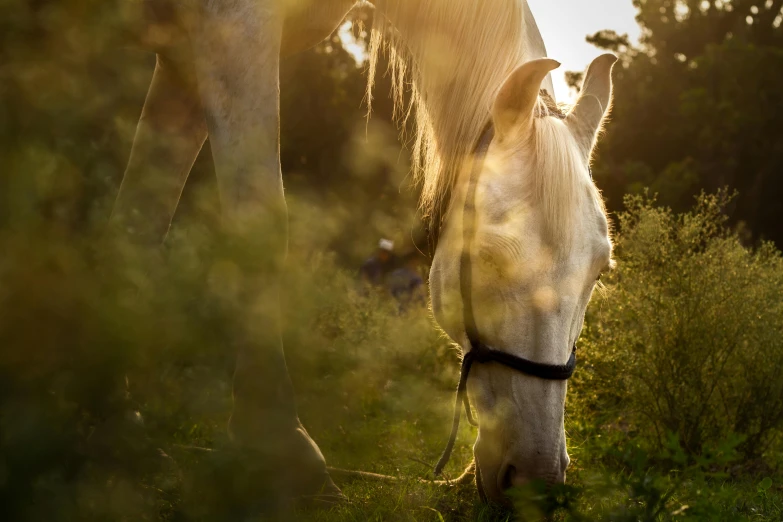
(169, 136)
(236, 52)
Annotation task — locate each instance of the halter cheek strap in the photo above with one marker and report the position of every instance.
(479, 352)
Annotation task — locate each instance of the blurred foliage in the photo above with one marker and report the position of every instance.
(696, 108)
(116, 379)
(70, 96)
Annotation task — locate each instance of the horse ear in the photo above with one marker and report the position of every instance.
(587, 116)
(518, 96)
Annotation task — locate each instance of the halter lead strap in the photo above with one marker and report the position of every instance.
(479, 352)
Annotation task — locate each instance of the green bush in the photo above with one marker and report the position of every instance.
(688, 340)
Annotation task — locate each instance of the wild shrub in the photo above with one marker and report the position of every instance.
(688, 340)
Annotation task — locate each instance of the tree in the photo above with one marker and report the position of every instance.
(696, 105)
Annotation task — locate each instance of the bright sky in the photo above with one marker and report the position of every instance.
(565, 23)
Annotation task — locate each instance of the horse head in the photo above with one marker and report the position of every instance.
(538, 241)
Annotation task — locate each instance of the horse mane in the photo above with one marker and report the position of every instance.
(453, 55)
(559, 178)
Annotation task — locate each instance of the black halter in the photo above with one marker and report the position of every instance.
(479, 352)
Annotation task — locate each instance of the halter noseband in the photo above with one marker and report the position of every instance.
(479, 352)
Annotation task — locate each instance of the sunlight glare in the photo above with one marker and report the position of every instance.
(565, 24)
(351, 44)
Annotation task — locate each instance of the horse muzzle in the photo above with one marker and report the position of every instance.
(496, 482)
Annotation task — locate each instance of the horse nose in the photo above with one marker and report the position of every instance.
(510, 478)
(515, 474)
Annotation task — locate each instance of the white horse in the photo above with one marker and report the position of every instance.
(541, 237)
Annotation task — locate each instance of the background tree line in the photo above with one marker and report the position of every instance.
(697, 107)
